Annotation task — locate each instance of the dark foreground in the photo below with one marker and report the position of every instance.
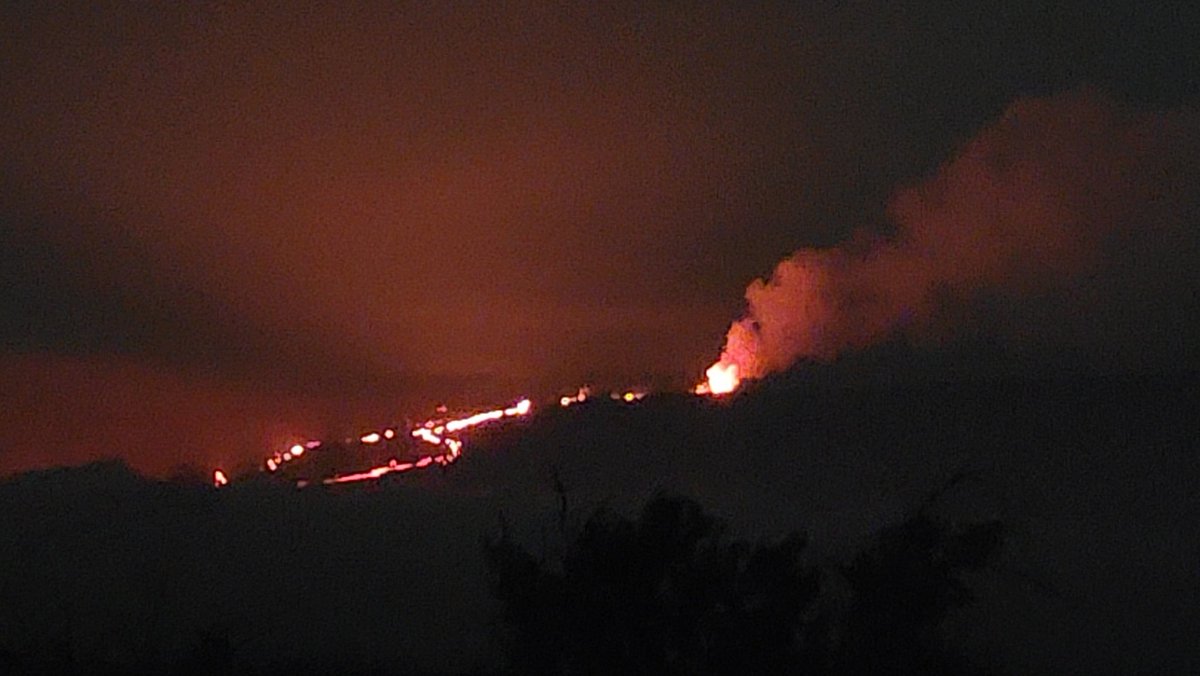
(1075, 497)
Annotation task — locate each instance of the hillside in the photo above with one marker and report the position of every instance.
(1092, 478)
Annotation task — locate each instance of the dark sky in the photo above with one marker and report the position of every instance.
(222, 224)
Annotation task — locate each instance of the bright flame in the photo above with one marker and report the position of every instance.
(372, 438)
(219, 478)
(722, 378)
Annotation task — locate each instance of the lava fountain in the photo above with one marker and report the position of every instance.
(720, 378)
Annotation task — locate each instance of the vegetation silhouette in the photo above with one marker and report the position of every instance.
(666, 589)
(667, 592)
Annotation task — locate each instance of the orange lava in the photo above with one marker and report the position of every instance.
(579, 397)
(431, 432)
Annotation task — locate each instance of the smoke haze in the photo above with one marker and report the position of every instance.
(1064, 223)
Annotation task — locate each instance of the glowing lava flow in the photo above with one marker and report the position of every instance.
(722, 378)
(432, 432)
(435, 432)
(579, 397)
(278, 460)
(374, 473)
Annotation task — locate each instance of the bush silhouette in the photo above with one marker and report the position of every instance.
(903, 587)
(667, 592)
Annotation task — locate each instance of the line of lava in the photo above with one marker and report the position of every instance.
(432, 432)
(435, 432)
(722, 378)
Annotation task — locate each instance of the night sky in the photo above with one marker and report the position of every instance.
(224, 224)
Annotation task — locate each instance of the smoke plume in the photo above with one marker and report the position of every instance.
(1069, 218)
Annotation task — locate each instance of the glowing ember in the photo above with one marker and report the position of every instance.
(372, 438)
(722, 378)
(219, 478)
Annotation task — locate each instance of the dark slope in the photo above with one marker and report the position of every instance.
(1093, 478)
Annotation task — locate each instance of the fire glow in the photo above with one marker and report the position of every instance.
(579, 397)
(434, 432)
(442, 433)
(720, 378)
(431, 432)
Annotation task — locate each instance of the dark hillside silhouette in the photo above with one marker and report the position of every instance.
(103, 570)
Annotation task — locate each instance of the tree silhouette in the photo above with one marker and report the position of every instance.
(667, 592)
(903, 587)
